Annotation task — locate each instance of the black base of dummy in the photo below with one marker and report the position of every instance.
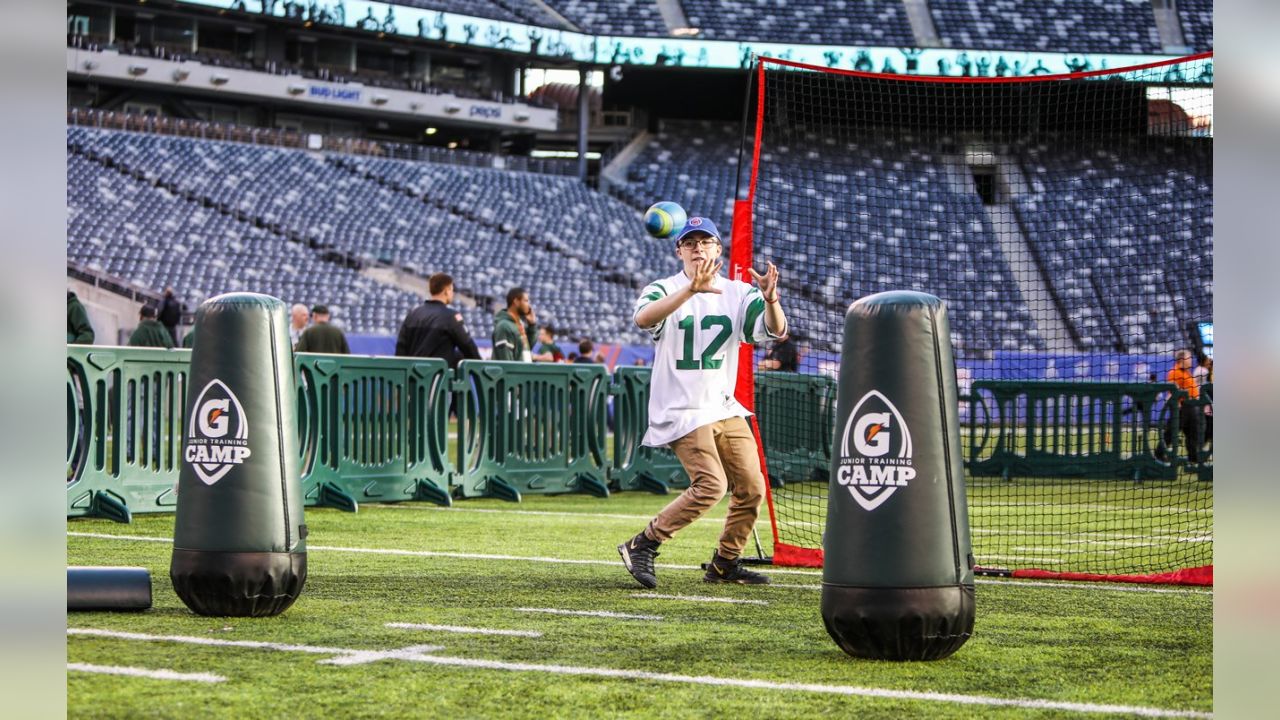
(237, 584)
(108, 588)
(899, 623)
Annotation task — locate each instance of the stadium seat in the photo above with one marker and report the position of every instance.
(1066, 26)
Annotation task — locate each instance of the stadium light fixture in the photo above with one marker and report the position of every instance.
(452, 146)
(686, 31)
(90, 65)
(430, 131)
(219, 79)
(452, 108)
(181, 74)
(379, 99)
(521, 116)
(296, 88)
(137, 70)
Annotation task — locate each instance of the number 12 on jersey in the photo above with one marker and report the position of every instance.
(688, 333)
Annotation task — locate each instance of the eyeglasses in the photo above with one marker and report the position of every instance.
(704, 242)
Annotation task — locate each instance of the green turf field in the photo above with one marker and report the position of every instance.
(1039, 649)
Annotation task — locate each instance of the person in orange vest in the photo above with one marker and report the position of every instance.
(1188, 416)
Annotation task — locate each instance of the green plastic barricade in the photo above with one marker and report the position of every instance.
(1071, 429)
(125, 413)
(797, 421)
(526, 428)
(373, 429)
(636, 467)
(370, 429)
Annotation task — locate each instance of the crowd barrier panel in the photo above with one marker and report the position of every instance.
(373, 429)
(1072, 429)
(635, 466)
(796, 415)
(126, 410)
(531, 428)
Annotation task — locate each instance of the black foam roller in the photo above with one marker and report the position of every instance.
(898, 566)
(238, 545)
(108, 588)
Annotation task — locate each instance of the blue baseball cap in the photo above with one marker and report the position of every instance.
(698, 224)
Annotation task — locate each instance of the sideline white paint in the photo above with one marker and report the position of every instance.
(590, 613)
(1066, 585)
(406, 655)
(145, 672)
(614, 563)
(492, 511)
(699, 598)
(364, 657)
(464, 630)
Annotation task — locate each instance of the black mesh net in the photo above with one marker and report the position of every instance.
(1067, 221)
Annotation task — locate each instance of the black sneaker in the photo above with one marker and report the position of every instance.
(720, 570)
(638, 554)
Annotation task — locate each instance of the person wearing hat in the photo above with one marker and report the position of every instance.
(321, 336)
(697, 318)
(150, 333)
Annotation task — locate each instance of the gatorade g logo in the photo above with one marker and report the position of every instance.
(875, 451)
(218, 436)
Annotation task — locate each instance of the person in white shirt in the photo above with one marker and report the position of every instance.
(698, 319)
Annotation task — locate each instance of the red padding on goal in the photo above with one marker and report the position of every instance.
(1187, 576)
(792, 556)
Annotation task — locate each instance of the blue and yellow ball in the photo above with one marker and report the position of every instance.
(664, 219)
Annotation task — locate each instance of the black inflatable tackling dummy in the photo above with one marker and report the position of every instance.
(238, 541)
(108, 588)
(897, 579)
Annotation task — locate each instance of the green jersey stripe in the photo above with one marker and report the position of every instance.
(755, 309)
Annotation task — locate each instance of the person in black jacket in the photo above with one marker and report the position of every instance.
(433, 329)
(170, 314)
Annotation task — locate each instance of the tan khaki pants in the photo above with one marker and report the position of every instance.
(719, 456)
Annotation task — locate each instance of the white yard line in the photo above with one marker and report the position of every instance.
(493, 511)
(613, 563)
(417, 654)
(464, 630)
(1064, 585)
(699, 598)
(590, 613)
(145, 672)
(1035, 560)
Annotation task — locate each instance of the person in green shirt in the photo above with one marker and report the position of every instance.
(514, 328)
(322, 337)
(79, 330)
(547, 350)
(150, 333)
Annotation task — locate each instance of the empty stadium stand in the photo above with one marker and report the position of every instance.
(635, 18)
(579, 253)
(1067, 26)
(1164, 196)
(695, 163)
(837, 22)
(1197, 23)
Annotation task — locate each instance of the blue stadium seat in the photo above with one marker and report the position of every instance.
(1066, 26)
(836, 22)
(634, 18)
(1197, 23)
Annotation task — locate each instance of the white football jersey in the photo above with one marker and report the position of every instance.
(695, 366)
